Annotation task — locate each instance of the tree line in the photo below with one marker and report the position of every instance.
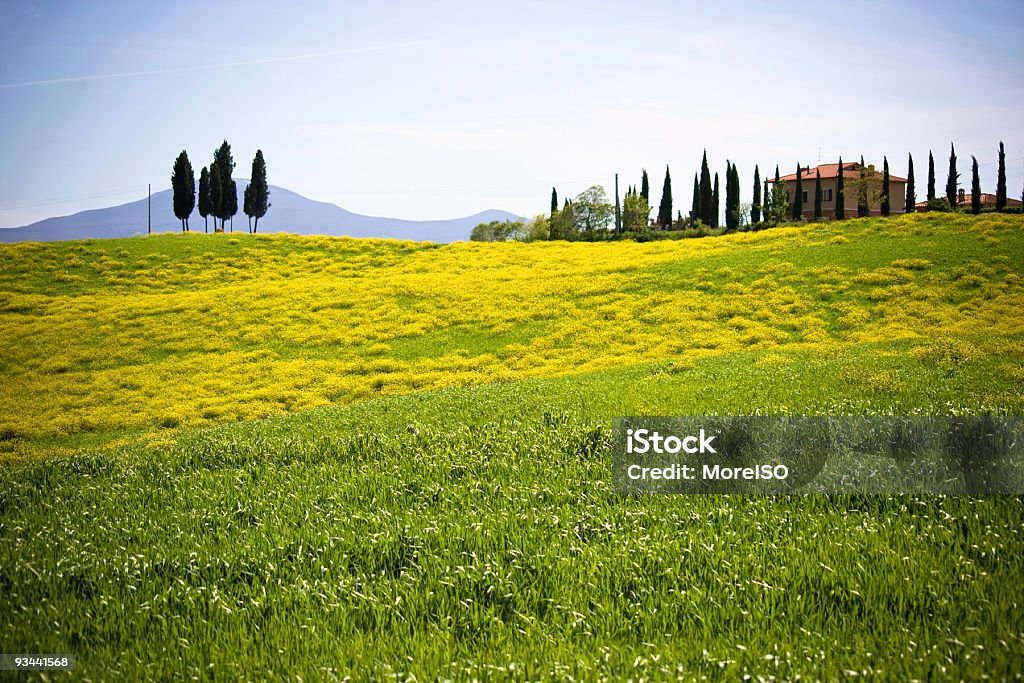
(591, 216)
(218, 194)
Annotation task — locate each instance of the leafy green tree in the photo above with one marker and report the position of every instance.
(911, 202)
(817, 194)
(635, 213)
(953, 179)
(645, 187)
(755, 207)
(204, 197)
(798, 196)
(779, 203)
(216, 196)
(706, 192)
(931, 177)
(592, 212)
(714, 204)
(539, 229)
(1001, 180)
(183, 184)
(554, 201)
(885, 186)
(563, 223)
(840, 197)
(498, 231)
(260, 191)
(975, 187)
(766, 201)
(665, 208)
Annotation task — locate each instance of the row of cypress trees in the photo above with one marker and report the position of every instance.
(218, 193)
(766, 198)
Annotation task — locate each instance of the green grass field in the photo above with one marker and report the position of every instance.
(388, 520)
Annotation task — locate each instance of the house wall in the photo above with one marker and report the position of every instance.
(897, 197)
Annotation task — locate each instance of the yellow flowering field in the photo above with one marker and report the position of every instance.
(106, 340)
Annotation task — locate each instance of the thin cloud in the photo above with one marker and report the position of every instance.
(204, 67)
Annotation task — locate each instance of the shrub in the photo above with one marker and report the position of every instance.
(937, 204)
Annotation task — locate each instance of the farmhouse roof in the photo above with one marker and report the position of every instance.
(851, 169)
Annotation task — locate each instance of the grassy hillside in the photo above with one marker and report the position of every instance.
(443, 509)
(113, 339)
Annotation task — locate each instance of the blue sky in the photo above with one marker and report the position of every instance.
(429, 110)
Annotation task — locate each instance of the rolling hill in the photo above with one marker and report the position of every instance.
(289, 212)
(287, 456)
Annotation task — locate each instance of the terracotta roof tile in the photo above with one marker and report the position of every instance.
(851, 169)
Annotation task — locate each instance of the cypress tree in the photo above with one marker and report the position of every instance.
(728, 193)
(798, 196)
(216, 196)
(247, 204)
(885, 186)
(695, 211)
(755, 207)
(260, 190)
(766, 202)
(953, 179)
(1001, 180)
(225, 163)
(774, 208)
(975, 187)
(931, 177)
(665, 209)
(840, 197)
(705, 191)
(204, 197)
(554, 201)
(863, 207)
(911, 191)
(231, 202)
(730, 217)
(735, 197)
(817, 194)
(645, 187)
(183, 183)
(714, 204)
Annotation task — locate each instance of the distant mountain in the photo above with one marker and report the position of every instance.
(289, 212)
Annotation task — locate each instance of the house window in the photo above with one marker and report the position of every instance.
(826, 195)
(803, 196)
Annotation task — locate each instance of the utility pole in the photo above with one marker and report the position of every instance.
(149, 208)
(618, 211)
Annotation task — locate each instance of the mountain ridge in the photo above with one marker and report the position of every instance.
(289, 212)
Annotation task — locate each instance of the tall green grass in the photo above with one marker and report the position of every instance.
(472, 533)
